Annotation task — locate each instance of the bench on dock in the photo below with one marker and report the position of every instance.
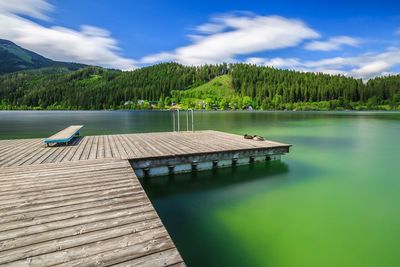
(64, 136)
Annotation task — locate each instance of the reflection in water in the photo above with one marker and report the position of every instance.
(187, 204)
(211, 180)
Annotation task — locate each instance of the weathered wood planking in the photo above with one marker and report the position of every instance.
(82, 205)
(83, 213)
(127, 146)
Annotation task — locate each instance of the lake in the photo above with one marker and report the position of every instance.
(332, 201)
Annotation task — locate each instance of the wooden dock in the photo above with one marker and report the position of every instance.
(83, 205)
(127, 146)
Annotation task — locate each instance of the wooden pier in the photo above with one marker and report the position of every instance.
(83, 205)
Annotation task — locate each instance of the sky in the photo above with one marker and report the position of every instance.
(354, 38)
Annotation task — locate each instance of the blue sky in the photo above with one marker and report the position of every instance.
(355, 38)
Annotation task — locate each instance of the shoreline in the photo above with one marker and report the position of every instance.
(198, 110)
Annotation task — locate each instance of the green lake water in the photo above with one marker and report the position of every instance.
(334, 200)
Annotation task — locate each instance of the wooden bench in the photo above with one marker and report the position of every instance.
(64, 136)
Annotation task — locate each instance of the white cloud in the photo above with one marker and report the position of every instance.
(209, 28)
(363, 66)
(32, 8)
(229, 36)
(255, 60)
(334, 43)
(89, 45)
(397, 32)
(277, 62)
(164, 56)
(370, 69)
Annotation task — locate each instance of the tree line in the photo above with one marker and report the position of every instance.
(154, 87)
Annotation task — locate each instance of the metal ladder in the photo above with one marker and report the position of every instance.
(176, 120)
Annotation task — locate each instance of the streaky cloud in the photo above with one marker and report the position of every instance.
(90, 45)
(334, 43)
(364, 66)
(228, 36)
(32, 8)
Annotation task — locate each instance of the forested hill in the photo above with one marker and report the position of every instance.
(234, 86)
(15, 58)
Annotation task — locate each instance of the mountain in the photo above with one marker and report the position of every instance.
(15, 58)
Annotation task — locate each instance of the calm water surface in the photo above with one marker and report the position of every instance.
(332, 201)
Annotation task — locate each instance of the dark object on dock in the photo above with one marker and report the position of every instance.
(246, 136)
(254, 137)
(258, 138)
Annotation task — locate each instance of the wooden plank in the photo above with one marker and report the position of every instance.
(64, 152)
(80, 148)
(107, 147)
(82, 213)
(131, 148)
(72, 150)
(93, 150)
(29, 160)
(154, 145)
(33, 171)
(11, 147)
(100, 149)
(130, 250)
(73, 211)
(54, 249)
(53, 152)
(137, 147)
(81, 209)
(20, 153)
(181, 264)
(63, 193)
(87, 148)
(8, 174)
(49, 181)
(64, 228)
(164, 258)
(121, 147)
(60, 153)
(113, 146)
(168, 148)
(39, 205)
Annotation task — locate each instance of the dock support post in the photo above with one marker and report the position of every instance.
(171, 169)
(146, 171)
(251, 159)
(194, 166)
(268, 158)
(215, 164)
(234, 161)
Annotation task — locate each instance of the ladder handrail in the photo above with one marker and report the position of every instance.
(173, 120)
(177, 115)
(176, 122)
(192, 113)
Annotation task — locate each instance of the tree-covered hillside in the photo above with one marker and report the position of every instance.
(15, 58)
(234, 86)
